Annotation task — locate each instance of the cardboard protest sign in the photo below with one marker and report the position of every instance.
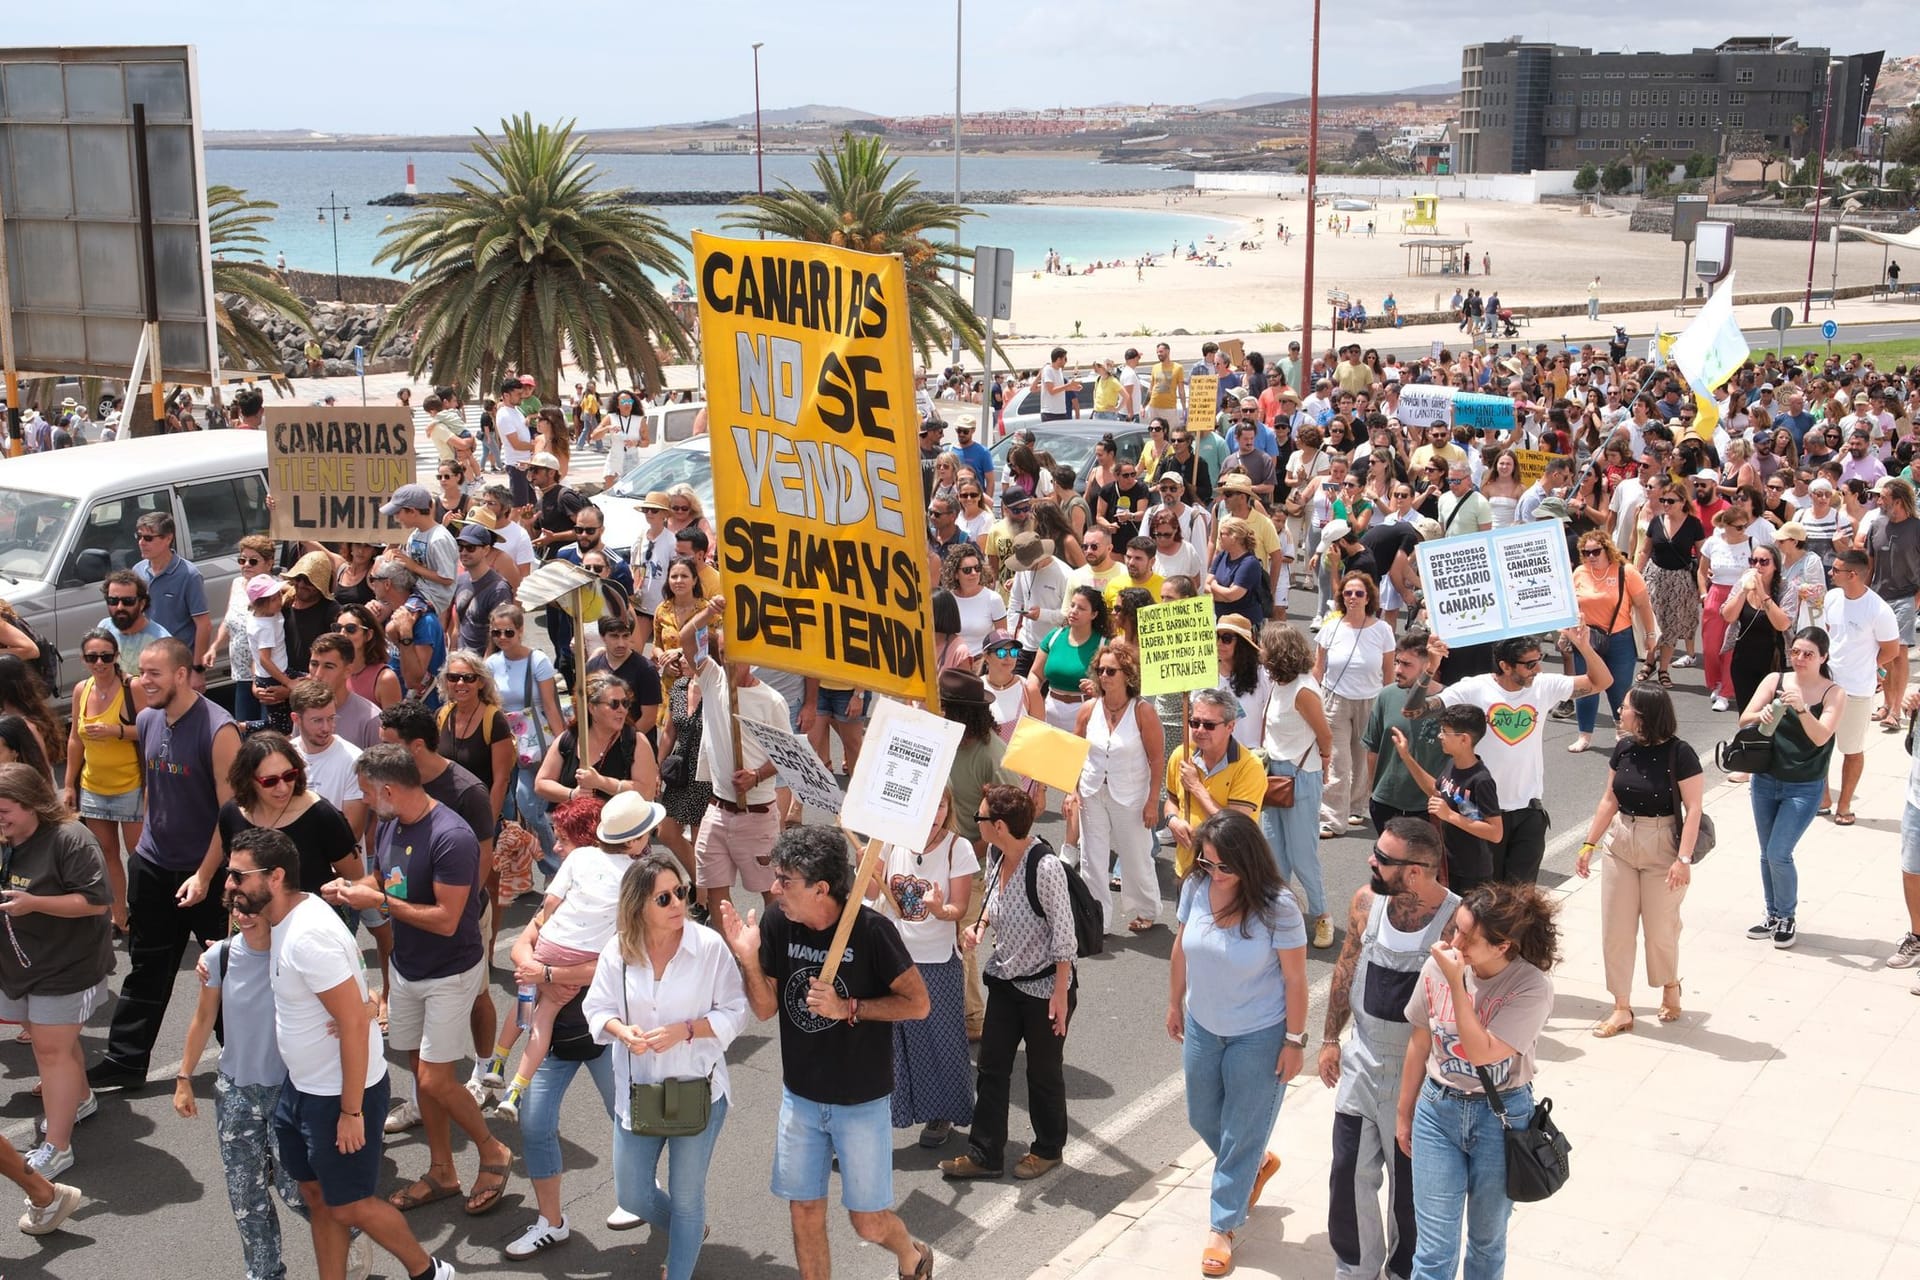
(1234, 350)
(1482, 413)
(1482, 587)
(330, 468)
(1533, 463)
(901, 773)
(822, 531)
(1422, 406)
(1177, 652)
(1203, 400)
(1048, 755)
(798, 765)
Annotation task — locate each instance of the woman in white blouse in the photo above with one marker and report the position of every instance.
(1354, 662)
(672, 998)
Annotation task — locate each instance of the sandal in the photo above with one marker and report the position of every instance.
(1140, 924)
(485, 1200)
(1669, 1012)
(1879, 715)
(923, 1270)
(1665, 680)
(411, 1197)
(1607, 1028)
(1578, 746)
(1842, 819)
(1215, 1261)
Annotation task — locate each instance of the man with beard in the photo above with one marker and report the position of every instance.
(1394, 793)
(335, 1061)
(1395, 919)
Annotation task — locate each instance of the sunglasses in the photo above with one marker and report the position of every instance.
(968, 568)
(1020, 510)
(1106, 671)
(462, 677)
(1669, 502)
(244, 561)
(98, 657)
(681, 511)
(272, 780)
(507, 634)
(617, 704)
(1194, 722)
(237, 873)
(148, 537)
(970, 497)
(983, 818)
(1353, 595)
(1386, 859)
(351, 628)
(676, 894)
(1757, 561)
(1593, 553)
(1531, 664)
(122, 602)
(1004, 651)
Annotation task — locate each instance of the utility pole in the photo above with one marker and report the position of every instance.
(1819, 194)
(341, 213)
(1313, 214)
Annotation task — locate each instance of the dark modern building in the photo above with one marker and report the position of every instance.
(1527, 106)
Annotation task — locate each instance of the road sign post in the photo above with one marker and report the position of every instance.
(1782, 319)
(1829, 330)
(992, 300)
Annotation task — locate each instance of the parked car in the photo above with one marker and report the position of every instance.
(1025, 409)
(1071, 443)
(687, 462)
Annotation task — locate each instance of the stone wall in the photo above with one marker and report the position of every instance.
(1764, 224)
(340, 326)
(318, 286)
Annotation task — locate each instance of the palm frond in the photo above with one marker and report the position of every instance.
(232, 231)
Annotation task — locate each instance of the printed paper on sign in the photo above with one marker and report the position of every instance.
(903, 768)
(1046, 754)
(1203, 400)
(1177, 649)
(1483, 587)
(798, 765)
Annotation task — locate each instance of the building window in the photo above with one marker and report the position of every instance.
(1737, 120)
(1743, 75)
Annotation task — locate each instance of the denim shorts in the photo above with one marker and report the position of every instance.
(306, 1130)
(125, 807)
(1909, 840)
(812, 1133)
(833, 704)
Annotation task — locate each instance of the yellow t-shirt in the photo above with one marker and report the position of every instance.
(1164, 389)
(1106, 394)
(1240, 777)
(1113, 589)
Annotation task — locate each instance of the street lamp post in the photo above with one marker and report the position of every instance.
(342, 213)
(1819, 194)
(959, 13)
(759, 152)
(1313, 215)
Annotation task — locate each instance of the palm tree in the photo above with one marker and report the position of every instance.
(867, 208)
(526, 262)
(240, 273)
(1640, 159)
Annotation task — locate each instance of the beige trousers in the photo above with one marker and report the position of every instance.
(1635, 899)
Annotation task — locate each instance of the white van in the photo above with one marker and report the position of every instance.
(67, 520)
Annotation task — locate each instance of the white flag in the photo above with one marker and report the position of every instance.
(1712, 348)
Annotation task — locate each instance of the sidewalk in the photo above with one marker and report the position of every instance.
(1771, 1131)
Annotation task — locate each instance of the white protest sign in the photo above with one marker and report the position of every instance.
(1425, 404)
(799, 767)
(1482, 587)
(902, 771)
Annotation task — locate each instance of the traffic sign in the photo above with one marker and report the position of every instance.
(1782, 318)
(1828, 330)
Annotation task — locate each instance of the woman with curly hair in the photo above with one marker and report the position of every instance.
(982, 611)
(21, 695)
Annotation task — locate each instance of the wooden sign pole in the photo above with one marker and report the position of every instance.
(1186, 730)
(582, 707)
(869, 863)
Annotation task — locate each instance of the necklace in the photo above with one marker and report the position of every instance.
(472, 723)
(1114, 715)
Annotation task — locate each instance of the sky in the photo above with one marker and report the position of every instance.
(444, 66)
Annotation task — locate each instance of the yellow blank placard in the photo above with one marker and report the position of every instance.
(1046, 754)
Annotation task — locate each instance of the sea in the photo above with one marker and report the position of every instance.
(302, 182)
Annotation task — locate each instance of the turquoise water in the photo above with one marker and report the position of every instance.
(301, 181)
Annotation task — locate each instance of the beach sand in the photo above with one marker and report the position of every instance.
(1542, 254)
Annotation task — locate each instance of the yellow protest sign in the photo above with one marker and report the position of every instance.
(330, 467)
(820, 518)
(1533, 463)
(1177, 653)
(1203, 400)
(1048, 755)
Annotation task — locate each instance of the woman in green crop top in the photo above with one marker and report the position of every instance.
(1058, 683)
(1803, 705)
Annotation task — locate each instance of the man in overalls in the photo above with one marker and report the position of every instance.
(1394, 920)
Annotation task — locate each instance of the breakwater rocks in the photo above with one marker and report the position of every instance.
(401, 200)
(340, 326)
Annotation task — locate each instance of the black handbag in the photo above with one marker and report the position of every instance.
(1748, 751)
(1537, 1163)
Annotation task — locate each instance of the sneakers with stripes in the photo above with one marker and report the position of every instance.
(1908, 953)
(1764, 930)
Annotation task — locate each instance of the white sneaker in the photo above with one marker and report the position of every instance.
(621, 1220)
(541, 1235)
(50, 1161)
(40, 1221)
(403, 1117)
(88, 1105)
(438, 1270)
(360, 1257)
(1719, 703)
(483, 1097)
(1686, 660)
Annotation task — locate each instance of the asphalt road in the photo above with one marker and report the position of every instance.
(154, 1180)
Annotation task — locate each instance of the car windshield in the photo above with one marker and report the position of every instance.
(1071, 448)
(31, 527)
(667, 468)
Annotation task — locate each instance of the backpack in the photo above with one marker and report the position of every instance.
(1089, 929)
(47, 665)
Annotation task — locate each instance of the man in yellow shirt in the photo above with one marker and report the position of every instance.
(1439, 446)
(1212, 774)
(1139, 572)
(1166, 388)
(1350, 374)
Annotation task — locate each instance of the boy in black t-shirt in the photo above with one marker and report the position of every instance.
(1463, 799)
(836, 1043)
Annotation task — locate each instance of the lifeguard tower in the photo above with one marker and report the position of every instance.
(1424, 217)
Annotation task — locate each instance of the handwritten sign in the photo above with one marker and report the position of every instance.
(1203, 400)
(1177, 652)
(798, 765)
(1533, 463)
(1483, 587)
(1423, 405)
(822, 530)
(330, 468)
(1482, 413)
(901, 774)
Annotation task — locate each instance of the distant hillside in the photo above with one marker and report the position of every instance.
(1899, 85)
(809, 114)
(1276, 97)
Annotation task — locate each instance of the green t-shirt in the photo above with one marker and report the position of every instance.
(1393, 786)
(976, 766)
(1068, 663)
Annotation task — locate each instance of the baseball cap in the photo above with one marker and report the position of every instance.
(408, 497)
(263, 586)
(1335, 531)
(997, 638)
(526, 380)
(476, 535)
(1707, 474)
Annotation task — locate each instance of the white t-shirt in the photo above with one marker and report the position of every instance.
(331, 774)
(1132, 398)
(1353, 658)
(510, 422)
(758, 701)
(1726, 561)
(1053, 389)
(588, 886)
(267, 635)
(1185, 560)
(979, 614)
(1010, 703)
(1513, 749)
(1856, 630)
(515, 542)
(905, 881)
(313, 952)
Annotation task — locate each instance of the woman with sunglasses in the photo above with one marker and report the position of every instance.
(1119, 782)
(1803, 580)
(104, 775)
(683, 510)
(1666, 561)
(523, 679)
(1237, 1006)
(946, 476)
(1723, 564)
(1612, 597)
(1173, 555)
(254, 556)
(981, 610)
(668, 1000)
(53, 973)
(1352, 662)
(351, 578)
(976, 514)
(448, 495)
(625, 432)
(1001, 675)
(622, 761)
(1758, 614)
(1800, 705)
(927, 896)
(473, 728)
(1775, 509)
(269, 784)
(372, 675)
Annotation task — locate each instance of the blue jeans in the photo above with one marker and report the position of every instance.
(531, 811)
(1233, 1098)
(1782, 812)
(1620, 656)
(245, 706)
(1460, 1172)
(540, 1109)
(681, 1210)
(1294, 834)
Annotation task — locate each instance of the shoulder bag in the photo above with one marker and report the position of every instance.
(1537, 1160)
(1705, 838)
(1280, 785)
(529, 733)
(676, 1108)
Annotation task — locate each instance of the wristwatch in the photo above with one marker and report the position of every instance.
(1297, 1039)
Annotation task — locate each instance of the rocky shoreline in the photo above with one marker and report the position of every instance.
(340, 326)
(402, 200)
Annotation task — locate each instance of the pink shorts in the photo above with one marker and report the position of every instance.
(736, 844)
(548, 953)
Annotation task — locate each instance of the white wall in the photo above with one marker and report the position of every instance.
(1508, 188)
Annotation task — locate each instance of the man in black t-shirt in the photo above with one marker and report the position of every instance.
(836, 1044)
(621, 659)
(1390, 546)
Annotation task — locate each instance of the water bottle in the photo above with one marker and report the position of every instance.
(523, 1007)
(1770, 719)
